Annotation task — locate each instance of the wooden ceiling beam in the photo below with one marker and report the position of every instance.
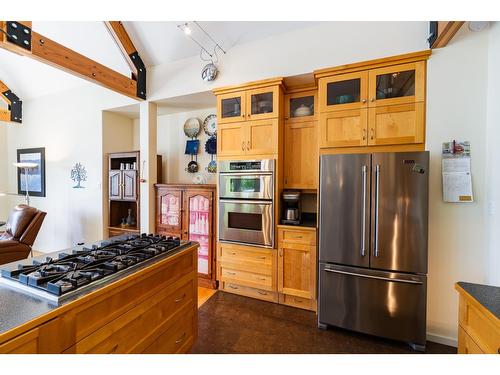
(14, 113)
(444, 32)
(52, 53)
(129, 52)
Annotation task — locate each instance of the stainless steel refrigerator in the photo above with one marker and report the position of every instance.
(373, 244)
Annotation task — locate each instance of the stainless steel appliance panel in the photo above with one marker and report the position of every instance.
(386, 304)
(249, 185)
(400, 211)
(344, 223)
(246, 222)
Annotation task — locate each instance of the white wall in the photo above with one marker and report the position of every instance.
(493, 154)
(118, 134)
(172, 144)
(296, 52)
(456, 109)
(68, 125)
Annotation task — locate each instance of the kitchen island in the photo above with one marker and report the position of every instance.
(150, 308)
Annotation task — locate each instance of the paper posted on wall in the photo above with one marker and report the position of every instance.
(457, 178)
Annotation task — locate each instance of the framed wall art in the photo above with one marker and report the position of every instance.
(36, 176)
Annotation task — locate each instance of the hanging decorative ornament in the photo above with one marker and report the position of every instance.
(209, 72)
(211, 145)
(210, 125)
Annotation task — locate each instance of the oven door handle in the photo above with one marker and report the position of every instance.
(245, 174)
(240, 201)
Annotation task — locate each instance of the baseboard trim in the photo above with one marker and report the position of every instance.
(445, 340)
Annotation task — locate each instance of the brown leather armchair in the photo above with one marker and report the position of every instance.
(21, 230)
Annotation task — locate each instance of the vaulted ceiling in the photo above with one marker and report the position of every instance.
(157, 42)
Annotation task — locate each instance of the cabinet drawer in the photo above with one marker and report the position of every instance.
(249, 292)
(297, 236)
(251, 279)
(175, 339)
(466, 345)
(484, 332)
(241, 254)
(135, 328)
(302, 303)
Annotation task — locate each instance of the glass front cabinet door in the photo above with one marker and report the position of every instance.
(170, 209)
(300, 107)
(399, 84)
(231, 107)
(343, 92)
(199, 224)
(262, 103)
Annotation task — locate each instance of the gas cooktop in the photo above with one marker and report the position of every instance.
(71, 271)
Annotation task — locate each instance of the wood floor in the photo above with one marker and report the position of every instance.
(204, 294)
(228, 323)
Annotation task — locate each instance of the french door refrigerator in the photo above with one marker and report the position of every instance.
(373, 244)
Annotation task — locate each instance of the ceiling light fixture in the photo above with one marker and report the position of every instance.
(207, 53)
(477, 25)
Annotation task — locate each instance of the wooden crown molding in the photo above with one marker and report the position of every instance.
(22, 40)
(14, 113)
(442, 32)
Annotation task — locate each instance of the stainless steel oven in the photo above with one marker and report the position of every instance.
(246, 202)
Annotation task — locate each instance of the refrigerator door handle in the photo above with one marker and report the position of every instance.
(377, 189)
(363, 221)
(374, 277)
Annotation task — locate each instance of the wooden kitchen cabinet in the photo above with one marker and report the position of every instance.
(374, 103)
(188, 212)
(301, 141)
(249, 119)
(231, 107)
(297, 266)
(343, 128)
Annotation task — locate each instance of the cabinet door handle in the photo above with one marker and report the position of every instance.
(181, 339)
(364, 134)
(372, 131)
(177, 300)
(280, 252)
(231, 273)
(248, 146)
(262, 278)
(372, 99)
(232, 253)
(233, 287)
(261, 258)
(363, 101)
(298, 237)
(243, 146)
(262, 293)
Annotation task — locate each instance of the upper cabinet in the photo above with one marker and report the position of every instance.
(231, 107)
(343, 92)
(375, 103)
(301, 140)
(248, 118)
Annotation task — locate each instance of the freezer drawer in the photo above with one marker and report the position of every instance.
(385, 304)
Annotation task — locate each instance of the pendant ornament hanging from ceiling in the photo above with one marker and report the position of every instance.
(208, 52)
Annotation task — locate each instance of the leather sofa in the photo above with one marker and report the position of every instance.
(21, 230)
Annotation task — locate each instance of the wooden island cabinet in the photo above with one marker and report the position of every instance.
(188, 211)
(153, 310)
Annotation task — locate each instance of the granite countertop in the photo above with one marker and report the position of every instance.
(487, 295)
(18, 307)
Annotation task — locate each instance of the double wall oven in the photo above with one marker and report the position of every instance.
(246, 202)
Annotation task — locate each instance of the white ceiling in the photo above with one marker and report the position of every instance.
(157, 42)
(184, 103)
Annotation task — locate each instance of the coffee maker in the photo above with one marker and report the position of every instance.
(291, 211)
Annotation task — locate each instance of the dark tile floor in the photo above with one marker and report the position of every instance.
(228, 323)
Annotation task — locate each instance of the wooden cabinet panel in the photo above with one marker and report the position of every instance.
(231, 107)
(247, 291)
(343, 128)
(301, 155)
(231, 139)
(479, 327)
(126, 333)
(262, 103)
(396, 124)
(397, 84)
(252, 279)
(466, 345)
(129, 179)
(343, 92)
(262, 137)
(115, 183)
(247, 258)
(297, 267)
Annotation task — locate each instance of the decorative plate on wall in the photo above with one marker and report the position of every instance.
(211, 145)
(210, 125)
(192, 127)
